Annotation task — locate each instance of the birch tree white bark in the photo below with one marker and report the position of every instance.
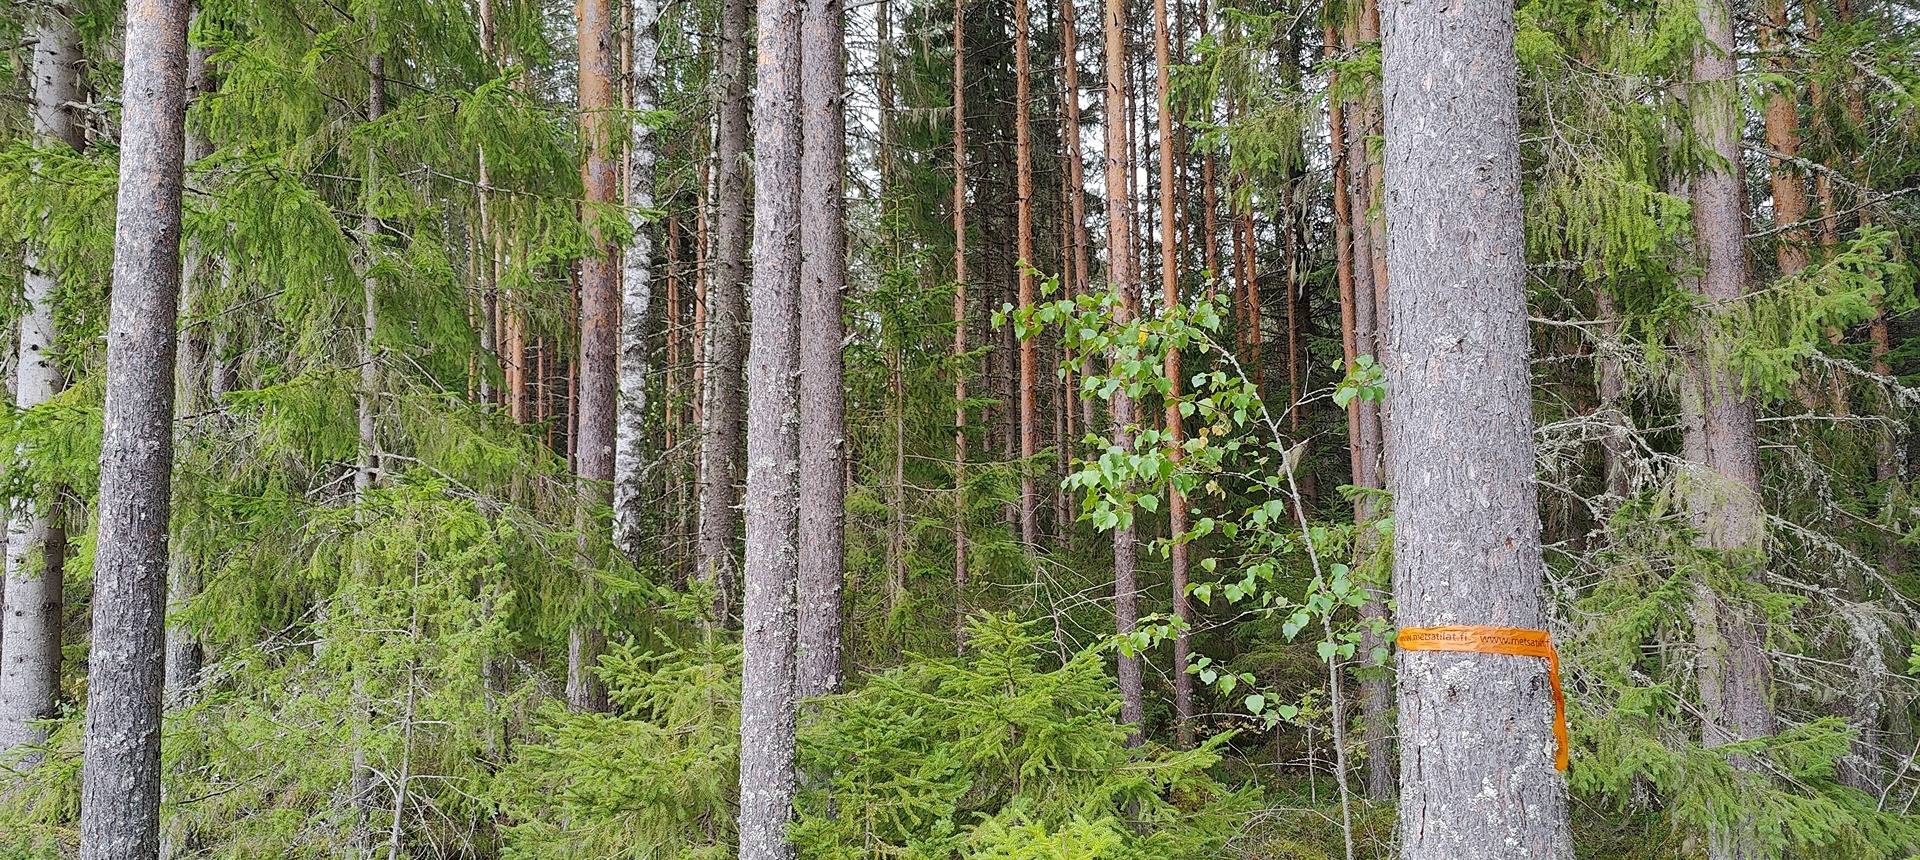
(30, 666)
(636, 282)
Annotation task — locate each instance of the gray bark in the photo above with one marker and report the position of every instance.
(30, 671)
(1120, 272)
(726, 316)
(120, 782)
(1720, 440)
(1477, 776)
(767, 774)
(184, 656)
(823, 277)
(636, 279)
(1611, 386)
(489, 269)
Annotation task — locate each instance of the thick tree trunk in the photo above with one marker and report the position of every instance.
(1478, 779)
(823, 277)
(1721, 439)
(959, 367)
(1120, 273)
(1029, 382)
(36, 533)
(636, 286)
(1170, 297)
(767, 774)
(120, 782)
(726, 316)
(601, 351)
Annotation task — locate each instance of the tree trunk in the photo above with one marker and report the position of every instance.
(1076, 174)
(30, 672)
(120, 782)
(1721, 445)
(487, 240)
(726, 316)
(767, 774)
(1782, 116)
(636, 283)
(1616, 446)
(1359, 315)
(960, 510)
(823, 277)
(601, 350)
(1479, 779)
(1120, 265)
(1029, 382)
(184, 656)
(1170, 298)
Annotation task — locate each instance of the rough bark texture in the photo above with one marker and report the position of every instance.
(1076, 168)
(184, 656)
(1120, 273)
(120, 783)
(726, 315)
(1076, 177)
(1720, 439)
(1789, 186)
(823, 277)
(1170, 298)
(767, 774)
(600, 302)
(636, 285)
(1359, 314)
(36, 540)
(1029, 364)
(959, 322)
(1477, 777)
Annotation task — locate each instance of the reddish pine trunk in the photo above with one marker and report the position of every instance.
(823, 277)
(1029, 382)
(1120, 263)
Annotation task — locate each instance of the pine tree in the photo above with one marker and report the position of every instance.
(726, 314)
(1466, 525)
(1170, 297)
(1120, 277)
(767, 715)
(823, 277)
(1718, 418)
(120, 785)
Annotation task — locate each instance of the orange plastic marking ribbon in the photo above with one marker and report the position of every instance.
(1514, 641)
